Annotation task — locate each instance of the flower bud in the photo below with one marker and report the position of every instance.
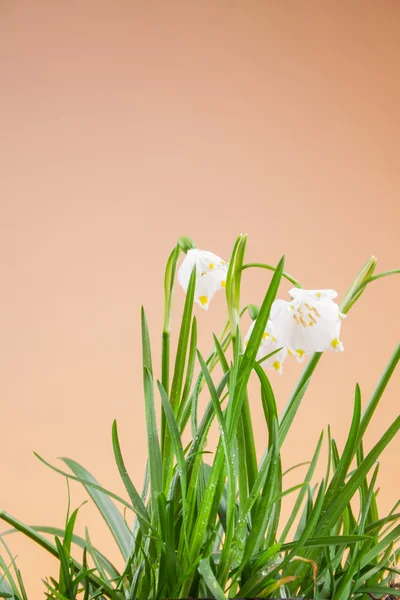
(358, 285)
(253, 311)
(186, 244)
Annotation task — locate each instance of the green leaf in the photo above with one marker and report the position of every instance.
(349, 451)
(21, 585)
(379, 590)
(76, 539)
(380, 388)
(65, 582)
(261, 322)
(392, 536)
(294, 402)
(177, 381)
(49, 547)
(233, 283)
(341, 501)
(221, 355)
(137, 502)
(371, 527)
(303, 491)
(155, 463)
(262, 516)
(107, 509)
(190, 369)
(169, 284)
(180, 457)
(146, 348)
(254, 586)
(176, 439)
(226, 443)
(183, 341)
(210, 579)
(69, 530)
(89, 483)
(11, 585)
(330, 540)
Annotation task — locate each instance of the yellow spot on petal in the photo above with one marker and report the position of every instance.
(211, 266)
(300, 352)
(223, 262)
(203, 300)
(318, 294)
(277, 365)
(203, 273)
(274, 339)
(311, 323)
(291, 307)
(290, 352)
(265, 335)
(223, 283)
(335, 343)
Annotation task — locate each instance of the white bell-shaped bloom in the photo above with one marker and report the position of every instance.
(211, 272)
(309, 323)
(268, 344)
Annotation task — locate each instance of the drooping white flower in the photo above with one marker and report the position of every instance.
(309, 323)
(211, 272)
(269, 343)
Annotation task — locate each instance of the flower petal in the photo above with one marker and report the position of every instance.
(211, 272)
(204, 290)
(276, 361)
(186, 268)
(316, 295)
(268, 344)
(306, 324)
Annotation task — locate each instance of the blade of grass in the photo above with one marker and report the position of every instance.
(51, 548)
(76, 539)
(341, 501)
(137, 502)
(303, 491)
(107, 509)
(154, 453)
(177, 380)
(231, 498)
(210, 579)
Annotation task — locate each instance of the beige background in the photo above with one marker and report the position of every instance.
(125, 124)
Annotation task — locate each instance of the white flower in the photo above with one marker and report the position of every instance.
(211, 272)
(269, 343)
(309, 323)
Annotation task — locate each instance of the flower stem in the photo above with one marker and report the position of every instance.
(374, 278)
(272, 268)
(169, 284)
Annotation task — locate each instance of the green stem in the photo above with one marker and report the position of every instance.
(374, 278)
(169, 285)
(249, 448)
(251, 456)
(166, 337)
(272, 268)
(44, 543)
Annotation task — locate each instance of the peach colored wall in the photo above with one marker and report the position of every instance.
(125, 124)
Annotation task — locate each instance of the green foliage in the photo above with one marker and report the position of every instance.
(208, 523)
